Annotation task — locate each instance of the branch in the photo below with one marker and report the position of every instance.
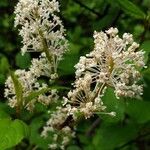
(93, 126)
(90, 9)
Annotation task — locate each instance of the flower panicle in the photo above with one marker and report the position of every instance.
(41, 29)
(114, 62)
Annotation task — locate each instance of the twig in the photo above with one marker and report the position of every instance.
(90, 9)
(116, 18)
(93, 126)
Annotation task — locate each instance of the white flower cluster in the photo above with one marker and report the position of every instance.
(114, 62)
(29, 83)
(62, 133)
(42, 31)
(41, 28)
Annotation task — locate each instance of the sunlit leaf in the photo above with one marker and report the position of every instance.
(12, 132)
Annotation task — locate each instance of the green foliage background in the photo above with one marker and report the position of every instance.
(130, 129)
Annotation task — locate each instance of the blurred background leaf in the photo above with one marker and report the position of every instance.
(130, 8)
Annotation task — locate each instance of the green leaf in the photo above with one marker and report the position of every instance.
(34, 94)
(66, 66)
(146, 46)
(4, 64)
(20, 125)
(23, 61)
(131, 9)
(138, 110)
(113, 104)
(12, 132)
(18, 89)
(109, 137)
(35, 136)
